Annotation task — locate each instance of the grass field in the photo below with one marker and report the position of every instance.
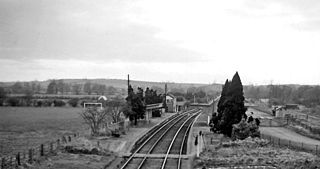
(25, 127)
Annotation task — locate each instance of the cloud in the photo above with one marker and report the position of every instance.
(175, 40)
(82, 30)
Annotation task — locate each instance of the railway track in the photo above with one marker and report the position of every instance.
(165, 145)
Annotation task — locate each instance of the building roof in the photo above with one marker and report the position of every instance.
(102, 98)
(170, 95)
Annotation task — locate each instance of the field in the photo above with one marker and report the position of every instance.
(25, 127)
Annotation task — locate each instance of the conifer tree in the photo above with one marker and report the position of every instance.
(135, 105)
(231, 106)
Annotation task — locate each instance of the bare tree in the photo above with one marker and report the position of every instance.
(115, 108)
(95, 118)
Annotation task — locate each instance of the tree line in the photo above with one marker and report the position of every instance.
(136, 102)
(23, 93)
(58, 87)
(195, 94)
(282, 94)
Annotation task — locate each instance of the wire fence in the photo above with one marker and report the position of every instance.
(33, 154)
(313, 128)
(209, 139)
(295, 145)
(273, 122)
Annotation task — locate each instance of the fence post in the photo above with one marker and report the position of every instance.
(2, 163)
(58, 143)
(51, 147)
(69, 137)
(11, 161)
(18, 159)
(30, 156)
(41, 150)
(289, 143)
(270, 139)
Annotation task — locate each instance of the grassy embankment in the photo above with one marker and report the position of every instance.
(254, 152)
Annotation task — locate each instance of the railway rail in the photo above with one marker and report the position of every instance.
(166, 144)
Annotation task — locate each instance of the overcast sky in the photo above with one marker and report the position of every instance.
(200, 41)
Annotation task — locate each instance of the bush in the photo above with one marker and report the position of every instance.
(12, 101)
(73, 102)
(39, 103)
(82, 103)
(1, 102)
(47, 103)
(243, 130)
(156, 113)
(59, 103)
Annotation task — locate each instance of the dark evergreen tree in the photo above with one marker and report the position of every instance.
(231, 106)
(136, 106)
(151, 96)
(223, 96)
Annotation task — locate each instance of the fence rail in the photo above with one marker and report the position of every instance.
(30, 156)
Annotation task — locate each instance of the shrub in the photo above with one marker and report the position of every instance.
(156, 113)
(59, 103)
(39, 103)
(1, 102)
(73, 102)
(12, 101)
(82, 103)
(243, 130)
(47, 102)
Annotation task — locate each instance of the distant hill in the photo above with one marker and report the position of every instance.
(122, 84)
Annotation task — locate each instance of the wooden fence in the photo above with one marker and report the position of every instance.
(35, 153)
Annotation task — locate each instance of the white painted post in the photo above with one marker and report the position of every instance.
(198, 153)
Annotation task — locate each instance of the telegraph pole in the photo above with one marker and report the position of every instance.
(165, 97)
